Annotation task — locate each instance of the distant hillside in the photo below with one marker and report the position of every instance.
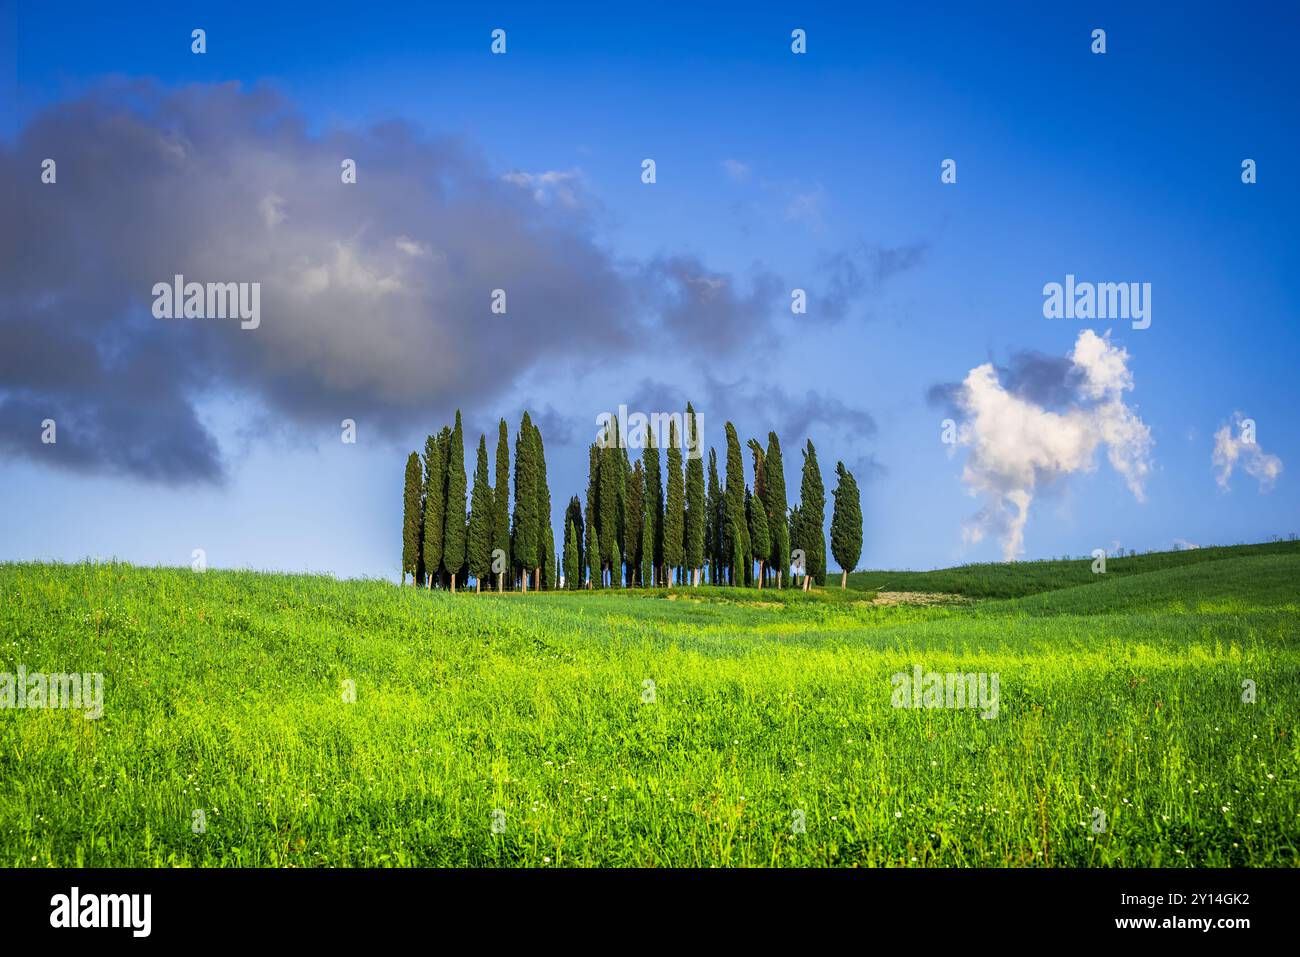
(1016, 579)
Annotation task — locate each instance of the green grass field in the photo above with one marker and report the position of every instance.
(224, 692)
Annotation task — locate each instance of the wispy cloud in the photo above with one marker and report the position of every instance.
(1243, 449)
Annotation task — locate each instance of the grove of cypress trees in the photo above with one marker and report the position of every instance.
(674, 508)
(846, 523)
(453, 536)
(695, 515)
(526, 541)
(482, 507)
(501, 512)
(411, 520)
(775, 497)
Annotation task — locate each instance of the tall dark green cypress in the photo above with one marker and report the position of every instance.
(571, 565)
(715, 509)
(592, 549)
(595, 553)
(758, 533)
(453, 536)
(545, 575)
(526, 541)
(573, 514)
(674, 507)
(760, 486)
(846, 523)
(501, 494)
(610, 473)
(411, 520)
(695, 517)
(482, 506)
(737, 527)
(635, 517)
(647, 546)
(777, 507)
(812, 516)
(435, 471)
(654, 507)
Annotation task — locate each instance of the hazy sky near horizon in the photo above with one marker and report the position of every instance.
(523, 171)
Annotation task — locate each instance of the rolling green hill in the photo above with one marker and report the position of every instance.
(728, 727)
(1013, 579)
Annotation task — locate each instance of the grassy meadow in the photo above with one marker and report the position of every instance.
(224, 692)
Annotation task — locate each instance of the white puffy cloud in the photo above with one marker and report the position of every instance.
(1243, 450)
(1017, 445)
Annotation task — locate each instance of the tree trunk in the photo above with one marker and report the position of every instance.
(760, 574)
(844, 580)
(476, 585)
(453, 584)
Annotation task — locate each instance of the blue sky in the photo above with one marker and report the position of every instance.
(774, 171)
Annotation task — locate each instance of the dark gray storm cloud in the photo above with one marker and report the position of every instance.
(853, 275)
(1048, 381)
(375, 296)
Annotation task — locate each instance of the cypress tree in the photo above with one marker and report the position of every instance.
(654, 505)
(594, 552)
(760, 488)
(434, 472)
(444, 460)
(812, 516)
(501, 511)
(647, 547)
(758, 532)
(695, 508)
(621, 470)
(453, 536)
(777, 509)
(610, 472)
(574, 514)
(545, 534)
(795, 529)
(714, 509)
(674, 508)
(411, 519)
(737, 527)
(571, 565)
(846, 523)
(526, 541)
(634, 521)
(481, 509)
